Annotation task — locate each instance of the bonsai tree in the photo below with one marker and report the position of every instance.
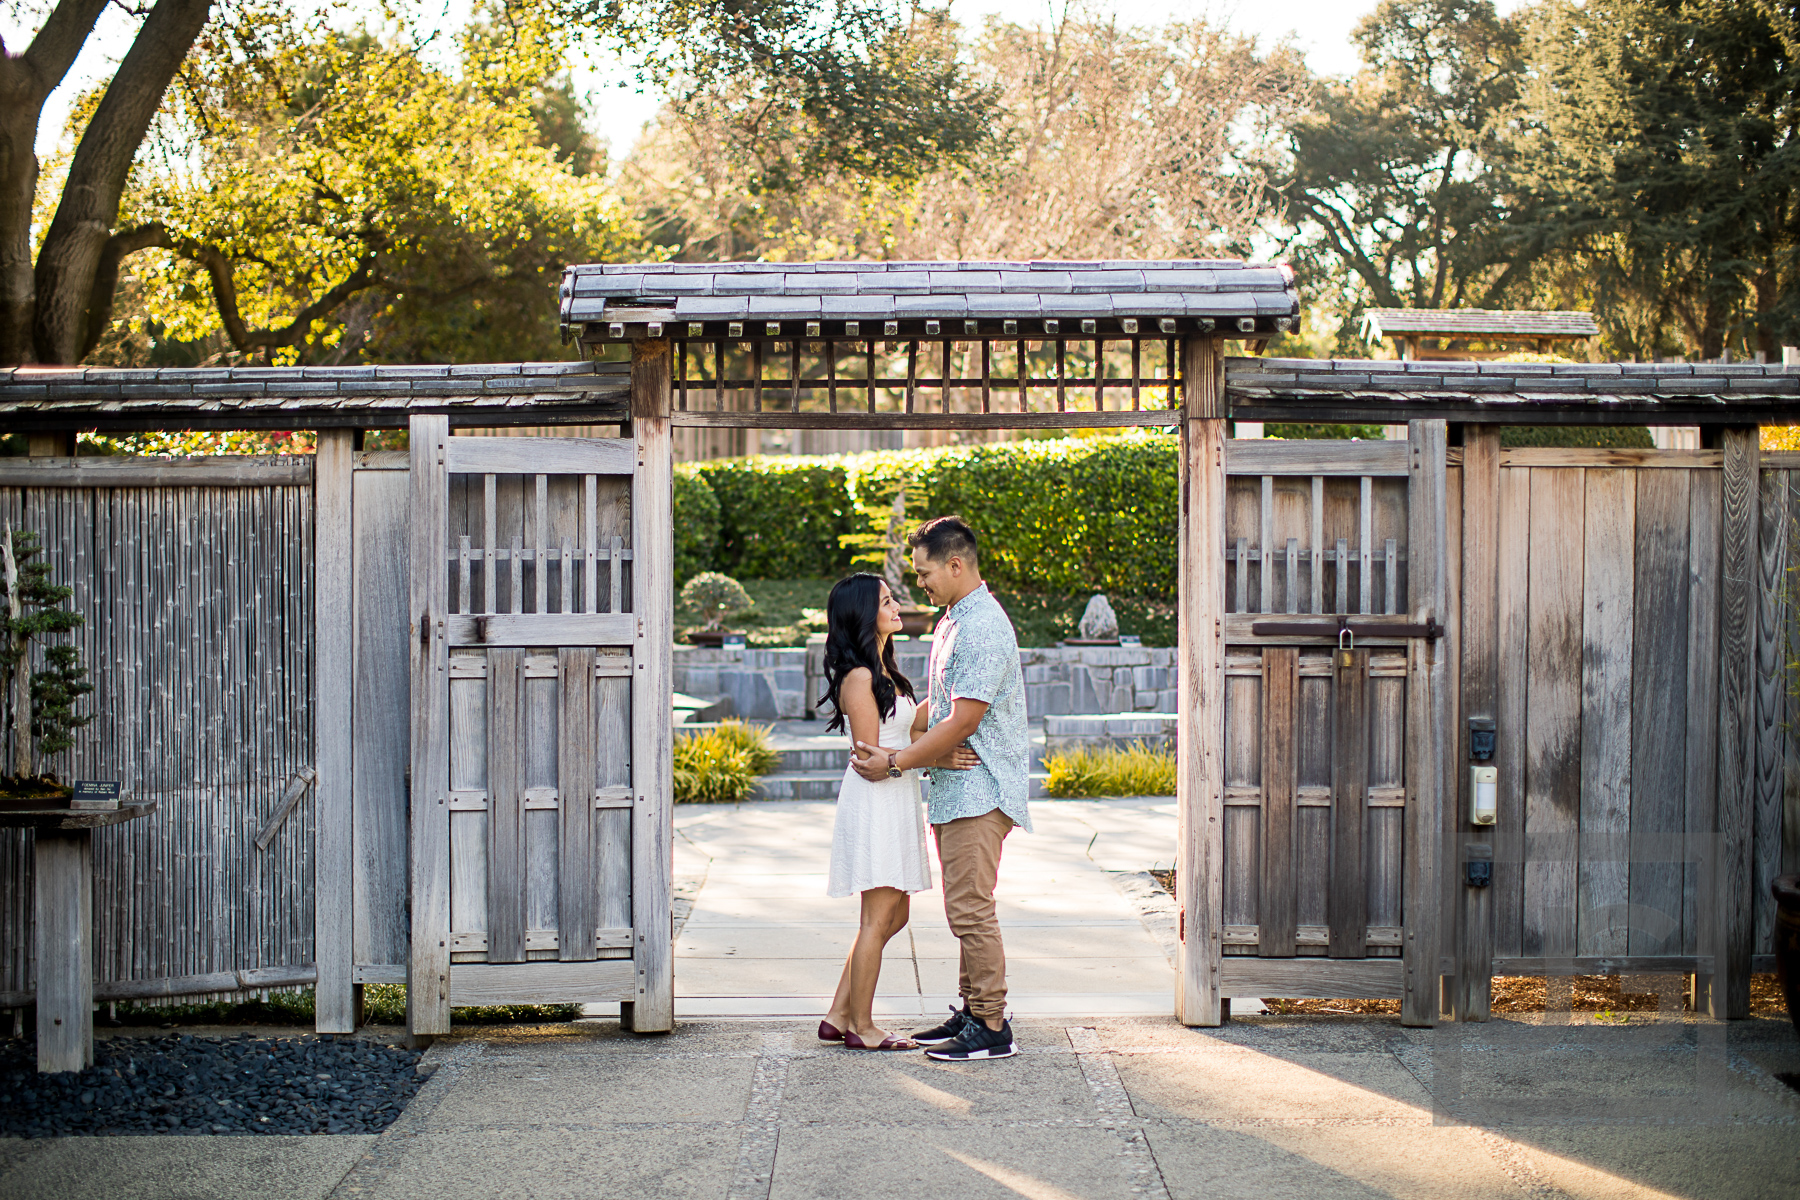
(715, 597)
(39, 705)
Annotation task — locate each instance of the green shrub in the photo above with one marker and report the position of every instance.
(780, 518)
(1598, 437)
(720, 766)
(1135, 770)
(1071, 515)
(696, 523)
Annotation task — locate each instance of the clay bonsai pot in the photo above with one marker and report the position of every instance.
(1787, 942)
(33, 793)
(916, 621)
(712, 637)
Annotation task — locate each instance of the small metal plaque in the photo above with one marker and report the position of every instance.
(95, 794)
(1130, 639)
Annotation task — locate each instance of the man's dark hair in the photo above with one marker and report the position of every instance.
(943, 538)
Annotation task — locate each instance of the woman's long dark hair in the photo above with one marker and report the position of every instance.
(851, 642)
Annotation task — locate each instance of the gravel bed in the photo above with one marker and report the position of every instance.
(187, 1084)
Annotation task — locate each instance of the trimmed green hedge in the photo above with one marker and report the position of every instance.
(780, 518)
(696, 524)
(1069, 515)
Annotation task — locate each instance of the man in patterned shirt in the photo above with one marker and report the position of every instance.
(977, 696)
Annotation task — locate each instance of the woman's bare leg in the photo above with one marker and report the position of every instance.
(884, 913)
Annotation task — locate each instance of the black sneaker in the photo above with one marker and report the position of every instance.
(977, 1041)
(946, 1032)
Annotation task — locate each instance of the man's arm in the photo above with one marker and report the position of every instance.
(871, 762)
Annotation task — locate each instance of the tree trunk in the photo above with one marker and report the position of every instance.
(90, 200)
(20, 683)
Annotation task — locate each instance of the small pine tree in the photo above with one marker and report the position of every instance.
(39, 704)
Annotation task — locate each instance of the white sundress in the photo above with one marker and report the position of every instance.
(879, 836)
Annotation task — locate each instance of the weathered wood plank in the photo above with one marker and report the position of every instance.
(333, 680)
(64, 919)
(1323, 978)
(1569, 456)
(506, 810)
(1479, 645)
(1603, 885)
(1771, 701)
(1659, 709)
(236, 470)
(380, 732)
(1277, 905)
(476, 984)
(1200, 785)
(1510, 719)
(578, 900)
(1257, 456)
(652, 601)
(540, 456)
(1738, 586)
(543, 629)
(1553, 729)
(1427, 718)
(428, 982)
(1347, 903)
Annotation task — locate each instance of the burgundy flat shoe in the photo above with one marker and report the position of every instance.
(852, 1042)
(829, 1032)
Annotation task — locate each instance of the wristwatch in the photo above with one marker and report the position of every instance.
(894, 771)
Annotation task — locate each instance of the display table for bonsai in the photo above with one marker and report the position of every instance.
(65, 926)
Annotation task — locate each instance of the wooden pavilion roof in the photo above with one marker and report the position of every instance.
(1503, 324)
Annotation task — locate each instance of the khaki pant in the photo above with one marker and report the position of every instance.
(969, 852)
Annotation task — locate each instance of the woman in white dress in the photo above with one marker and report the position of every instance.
(878, 842)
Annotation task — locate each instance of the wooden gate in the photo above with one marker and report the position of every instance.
(1321, 878)
(539, 848)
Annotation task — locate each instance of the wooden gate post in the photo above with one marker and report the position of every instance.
(1471, 997)
(428, 971)
(333, 676)
(1427, 714)
(653, 672)
(1727, 994)
(1200, 770)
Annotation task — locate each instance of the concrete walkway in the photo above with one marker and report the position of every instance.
(1109, 1099)
(764, 939)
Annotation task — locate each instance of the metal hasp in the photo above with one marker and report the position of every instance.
(1478, 865)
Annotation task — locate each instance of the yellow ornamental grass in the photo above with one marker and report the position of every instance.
(1136, 770)
(720, 766)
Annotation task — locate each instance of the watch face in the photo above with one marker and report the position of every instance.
(895, 772)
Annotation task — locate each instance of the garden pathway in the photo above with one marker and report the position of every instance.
(764, 939)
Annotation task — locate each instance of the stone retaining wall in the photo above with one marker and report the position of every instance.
(767, 685)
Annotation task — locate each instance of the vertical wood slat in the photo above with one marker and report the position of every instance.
(1277, 904)
(1347, 896)
(540, 555)
(1771, 702)
(912, 373)
(1738, 586)
(464, 601)
(333, 676)
(1365, 527)
(794, 375)
(869, 373)
(1062, 374)
(615, 573)
(578, 892)
(1659, 710)
(831, 361)
(1265, 547)
(1471, 998)
(1243, 576)
(506, 805)
(652, 769)
(590, 542)
(1342, 599)
(1024, 373)
(1699, 892)
(1200, 767)
(1606, 659)
(1428, 708)
(756, 375)
(1318, 544)
(1390, 577)
(719, 382)
(1553, 729)
(987, 373)
(1137, 375)
(1513, 640)
(428, 972)
(490, 544)
(516, 575)
(1293, 575)
(1099, 375)
(568, 577)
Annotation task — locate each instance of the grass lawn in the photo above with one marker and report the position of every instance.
(787, 610)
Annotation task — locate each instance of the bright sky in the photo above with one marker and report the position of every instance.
(1321, 28)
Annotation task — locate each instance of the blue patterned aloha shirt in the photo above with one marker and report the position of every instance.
(975, 656)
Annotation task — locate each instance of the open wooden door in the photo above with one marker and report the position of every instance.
(532, 818)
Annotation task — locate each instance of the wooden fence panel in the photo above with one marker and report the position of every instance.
(198, 603)
(1606, 611)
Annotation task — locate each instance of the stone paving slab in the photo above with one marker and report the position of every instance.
(177, 1168)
